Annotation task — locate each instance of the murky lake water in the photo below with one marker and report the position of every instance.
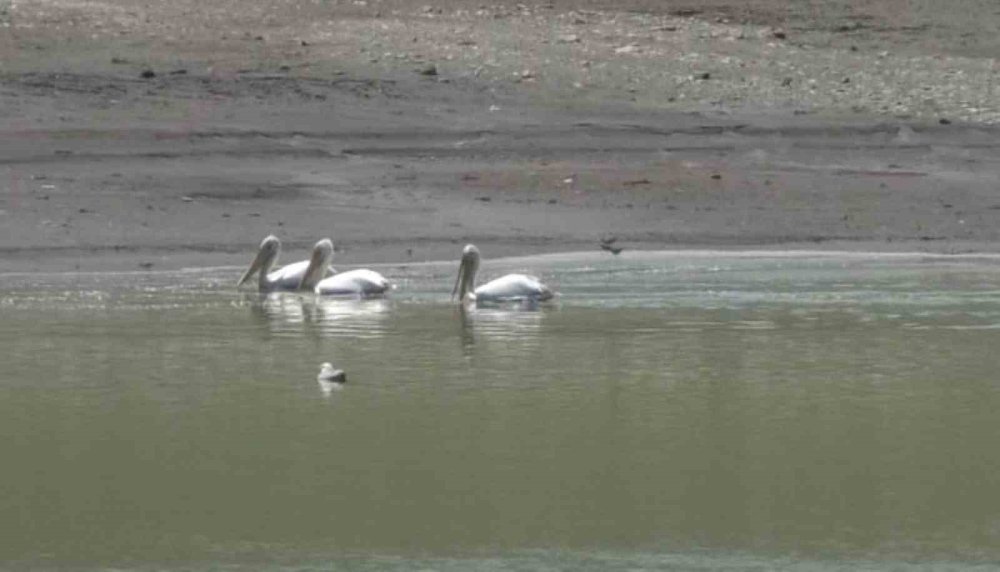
(692, 410)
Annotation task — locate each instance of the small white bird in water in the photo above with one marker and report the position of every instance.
(285, 278)
(328, 374)
(362, 282)
(508, 288)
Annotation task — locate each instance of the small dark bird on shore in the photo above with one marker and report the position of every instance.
(607, 243)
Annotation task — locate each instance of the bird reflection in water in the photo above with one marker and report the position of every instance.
(353, 318)
(513, 324)
(328, 388)
(289, 313)
(280, 311)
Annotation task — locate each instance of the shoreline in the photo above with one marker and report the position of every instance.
(182, 262)
(529, 129)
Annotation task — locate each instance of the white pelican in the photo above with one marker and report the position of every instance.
(511, 287)
(285, 278)
(361, 282)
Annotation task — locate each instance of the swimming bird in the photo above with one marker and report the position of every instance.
(285, 278)
(511, 287)
(361, 282)
(329, 374)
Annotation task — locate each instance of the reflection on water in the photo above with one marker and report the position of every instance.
(681, 410)
(506, 324)
(292, 313)
(328, 388)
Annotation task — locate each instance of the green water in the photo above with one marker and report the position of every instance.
(701, 411)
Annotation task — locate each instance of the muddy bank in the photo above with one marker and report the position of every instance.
(136, 135)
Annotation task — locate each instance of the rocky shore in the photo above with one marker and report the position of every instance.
(139, 134)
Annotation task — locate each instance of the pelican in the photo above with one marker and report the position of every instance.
(287, 277)
(361, 282)
(511, 287)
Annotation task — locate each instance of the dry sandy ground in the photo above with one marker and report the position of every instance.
(145, 134)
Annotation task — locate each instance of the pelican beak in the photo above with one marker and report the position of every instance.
(459, 287)
(319, 264)
(465, 282)
(258, 261)
(314, 272)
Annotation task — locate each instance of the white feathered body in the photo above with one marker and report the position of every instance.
(513, 287)
(287, 277)
(361, 282)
